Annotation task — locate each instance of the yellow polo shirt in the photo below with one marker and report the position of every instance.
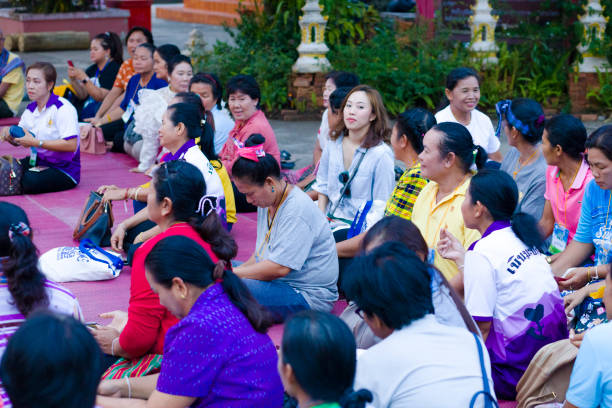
(14, 94)
(430, 217)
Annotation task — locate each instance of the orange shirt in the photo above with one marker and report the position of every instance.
(126, 71)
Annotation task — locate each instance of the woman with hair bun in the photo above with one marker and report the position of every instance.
(447, 160)
(295, 265)
(218, 354)
(523, 121)
(509, 287)
(323, 377)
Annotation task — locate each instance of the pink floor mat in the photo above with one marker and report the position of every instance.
(53, 217)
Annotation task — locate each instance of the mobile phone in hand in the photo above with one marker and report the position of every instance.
(70, 64)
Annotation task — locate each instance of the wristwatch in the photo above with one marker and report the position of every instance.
(548, 259)
(40, 143)
(84, 81)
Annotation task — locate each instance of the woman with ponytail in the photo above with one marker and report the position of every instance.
(509, 287)
(218, 354)
(323, 377)
(447, 160)
(178, 204)
(523, 121)
(23, 288)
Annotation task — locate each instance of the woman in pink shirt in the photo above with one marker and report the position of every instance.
(243, 102)
(566, 178)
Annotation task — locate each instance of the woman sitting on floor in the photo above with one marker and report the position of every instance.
(509, 287)
(135, 37)
(181, 125)
(144, 78)
(407, 143)
(294, 266)
(144, 146)
(444, 298)
(218, 354)
(323, 376)
(93, 84)
(447, 159)
(51, 361)
(357, 164)
(161, 59)
(23, 288)
(523, 122)
(51, 132)
(419, 362)
(178, 205)
(243, 98)
(209, 88)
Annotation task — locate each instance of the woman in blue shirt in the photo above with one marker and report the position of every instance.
(144, 78)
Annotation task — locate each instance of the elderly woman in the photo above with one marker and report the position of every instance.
(49, 128)
(93, 84)
(243, 97)
(295, 265)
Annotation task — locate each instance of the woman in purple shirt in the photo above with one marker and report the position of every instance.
(218, 354)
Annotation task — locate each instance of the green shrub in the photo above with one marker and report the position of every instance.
(52, 6)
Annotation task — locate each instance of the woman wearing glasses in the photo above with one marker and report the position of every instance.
(357, 164)
(295, 265)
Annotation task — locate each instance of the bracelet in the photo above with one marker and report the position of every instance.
(136, 193)
(588, 274)
(109, 118)
(596, 273)
(127, 193)
(127, 380)
(115, 340)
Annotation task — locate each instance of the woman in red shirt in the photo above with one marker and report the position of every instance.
(179, 206)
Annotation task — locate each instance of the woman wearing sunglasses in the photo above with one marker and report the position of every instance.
(357, 164)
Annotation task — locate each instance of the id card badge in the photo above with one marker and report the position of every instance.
(33, 156)
(128, 112)
(431, 256)
(559, 239)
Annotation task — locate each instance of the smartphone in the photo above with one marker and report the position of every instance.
(70, 63)
(93, 325)
(16, 131)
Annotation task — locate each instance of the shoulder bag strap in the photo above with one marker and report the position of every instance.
(486, 392)
(113, 262)
(348, 183)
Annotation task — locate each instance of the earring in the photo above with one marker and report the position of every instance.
(272, 188)
(182, 296)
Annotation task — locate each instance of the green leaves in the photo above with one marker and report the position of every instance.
(52, 6)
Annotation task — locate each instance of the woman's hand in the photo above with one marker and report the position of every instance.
(576, 278)
(104, 188)
(118, 237)
(105, 335)
(27, 140)
(570, 301)
(110, 388)
(120, 319)
(576, 338)
(114, 194)
(450, 247)
(76, 73)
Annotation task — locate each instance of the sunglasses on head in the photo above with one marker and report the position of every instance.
(344, 178)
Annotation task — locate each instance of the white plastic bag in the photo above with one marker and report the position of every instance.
(86, 262)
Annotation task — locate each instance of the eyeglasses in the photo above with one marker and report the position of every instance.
(359, 312)
(344, 178)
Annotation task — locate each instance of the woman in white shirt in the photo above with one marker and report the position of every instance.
(210, 90)
(463, 94)
(419, 362)
(509, 287)
(357, 164)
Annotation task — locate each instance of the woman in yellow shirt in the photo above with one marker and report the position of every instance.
(447, 160)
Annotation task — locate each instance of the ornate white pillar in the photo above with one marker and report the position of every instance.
(312, 49)
(594, 24)
(482, 27)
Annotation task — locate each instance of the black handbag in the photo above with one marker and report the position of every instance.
(11, 173)
(95, 222)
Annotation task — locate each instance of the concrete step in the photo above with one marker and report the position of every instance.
(189, 15)
(227, 6)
